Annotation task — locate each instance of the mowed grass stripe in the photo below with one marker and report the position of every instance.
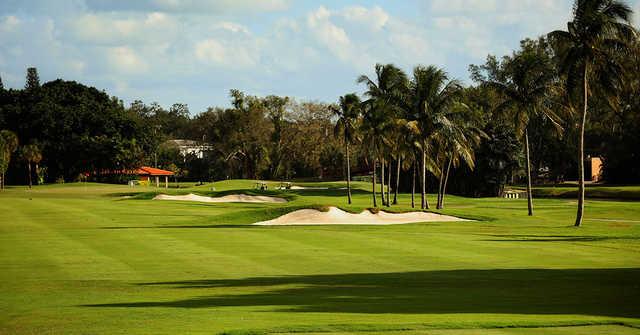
(326, 250)
(76, 254)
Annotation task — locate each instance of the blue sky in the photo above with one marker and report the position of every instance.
(193, 52)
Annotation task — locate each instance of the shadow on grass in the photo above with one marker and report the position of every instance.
(557, 238)
(598, 292)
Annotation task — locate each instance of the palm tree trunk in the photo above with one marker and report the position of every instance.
(580, 213)
(389, 183)
(395, 190)
(413, 186)
(346, 148)
(425, 202)
(382, 180)
(29, 168)
(373, 182)
(2, 176)
(37, 175)
(441, 182)
(529, 195)
(446, 180)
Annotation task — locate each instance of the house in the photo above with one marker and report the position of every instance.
(146, 173)
(189, 147)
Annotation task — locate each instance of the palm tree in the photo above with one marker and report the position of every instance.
(382, 106)
(374, 130)
(347, 125)
(456, 141)
(431, 94)
(32, 155)
(525, 91)
(8, 145)
(597, 30)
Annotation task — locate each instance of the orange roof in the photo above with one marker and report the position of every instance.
(145, 170)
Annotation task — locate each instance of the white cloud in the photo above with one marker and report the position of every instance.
(110, 29)
(459, 23)
(534, 16)
(125, 60)
(9, 24)
(232, 27)
(218, 5)
(211, 51)
(475, 6)
(410, 46)
(190, 6)
(226, 53)
(331, 36)
(374, 18)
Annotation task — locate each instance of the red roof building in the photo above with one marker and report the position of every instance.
(149, 171)
(146, 173)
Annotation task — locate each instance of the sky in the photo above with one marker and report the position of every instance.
(194, 52)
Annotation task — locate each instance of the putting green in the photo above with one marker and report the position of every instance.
(78, 259)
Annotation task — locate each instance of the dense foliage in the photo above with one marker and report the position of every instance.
(78, 129)
(426, 129)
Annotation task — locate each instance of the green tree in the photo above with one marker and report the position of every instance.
(381, 109)
(275, 107)
(525, 91)
(598, 30)
(347, 125)
(456, 141)
(8, 145)
(33, 80)
(31, 155)
(431, 94)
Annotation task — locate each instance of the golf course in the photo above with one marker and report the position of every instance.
(87, 258)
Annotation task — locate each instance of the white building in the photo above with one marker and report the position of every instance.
(187, 147)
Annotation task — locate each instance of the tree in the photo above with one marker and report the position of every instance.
(33, 80)
(381, 108)
(8, 145)
(599, 29)
(347, 124)
(525, 89)
(275, 107)
(31, 155)
(1, 84)
(615, 130)
(431, 95)
(456, 143)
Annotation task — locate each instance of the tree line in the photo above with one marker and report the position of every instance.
(529, 117)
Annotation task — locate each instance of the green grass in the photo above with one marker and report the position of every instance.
(81, 259)
(591, 191)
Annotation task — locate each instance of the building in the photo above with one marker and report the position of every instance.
(148, 174)
(189, 147)
(594, 169)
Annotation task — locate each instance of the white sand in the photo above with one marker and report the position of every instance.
(226, 198)
(338, 216)
(308, 188)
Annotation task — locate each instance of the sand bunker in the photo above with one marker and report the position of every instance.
(308, 188)
(226, 198)
(338, 216)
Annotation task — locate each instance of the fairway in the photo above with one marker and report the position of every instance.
(97, 258)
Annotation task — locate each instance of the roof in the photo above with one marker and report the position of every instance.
(183, 142)
(189, 144)
(145, 170)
